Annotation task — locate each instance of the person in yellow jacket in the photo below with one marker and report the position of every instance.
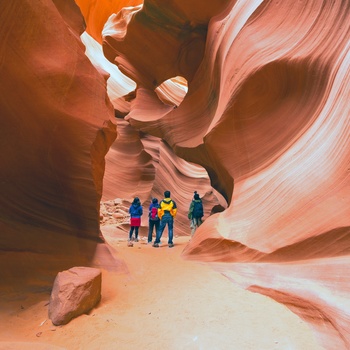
(167, 211)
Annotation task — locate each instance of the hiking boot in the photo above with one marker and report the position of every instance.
(156, 245)
(136, 239)
(171, 245)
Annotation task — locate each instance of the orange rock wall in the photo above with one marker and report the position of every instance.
(56, 127)
(266, 114)
(145, 166)
(96, 13)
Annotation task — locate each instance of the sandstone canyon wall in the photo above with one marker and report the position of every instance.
(262, 131)
(56, 127)
(267, 115)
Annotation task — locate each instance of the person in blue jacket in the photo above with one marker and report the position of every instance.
(135, 212)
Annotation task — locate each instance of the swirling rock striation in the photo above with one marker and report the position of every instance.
(264, 121)
(56, 127)
(266, 115)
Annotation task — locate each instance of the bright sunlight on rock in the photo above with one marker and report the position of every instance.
(244, 103)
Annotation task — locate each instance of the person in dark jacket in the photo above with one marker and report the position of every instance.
(195, 213)
(153, 218)
(135, 212)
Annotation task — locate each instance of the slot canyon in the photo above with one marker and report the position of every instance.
(244, 101)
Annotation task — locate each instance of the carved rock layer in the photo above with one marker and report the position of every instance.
(145, 166)
(56, 127)
(267, 115)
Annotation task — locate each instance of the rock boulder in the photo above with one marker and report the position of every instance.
(75, 292)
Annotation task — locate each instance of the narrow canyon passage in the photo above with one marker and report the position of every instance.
(161, 301)
(245, 102)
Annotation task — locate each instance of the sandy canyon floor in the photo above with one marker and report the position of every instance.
(161, 302)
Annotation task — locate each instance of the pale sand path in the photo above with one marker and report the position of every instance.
(164, 302)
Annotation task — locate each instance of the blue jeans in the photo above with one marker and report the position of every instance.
(167, 219)
(152, 224)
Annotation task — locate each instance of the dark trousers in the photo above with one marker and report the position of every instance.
(152, 224)
(132, 230)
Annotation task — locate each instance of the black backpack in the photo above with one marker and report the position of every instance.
(197, 209)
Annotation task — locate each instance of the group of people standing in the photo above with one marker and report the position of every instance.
(162, 214)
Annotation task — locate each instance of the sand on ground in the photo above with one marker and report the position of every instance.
(161, 302)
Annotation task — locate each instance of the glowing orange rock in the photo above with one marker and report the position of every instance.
(56, 127)
(267, 114)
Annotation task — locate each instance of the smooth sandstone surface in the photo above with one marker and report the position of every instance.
(56, 127)
(256, 119)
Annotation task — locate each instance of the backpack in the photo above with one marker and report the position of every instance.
(154, 214)
(197, 209)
